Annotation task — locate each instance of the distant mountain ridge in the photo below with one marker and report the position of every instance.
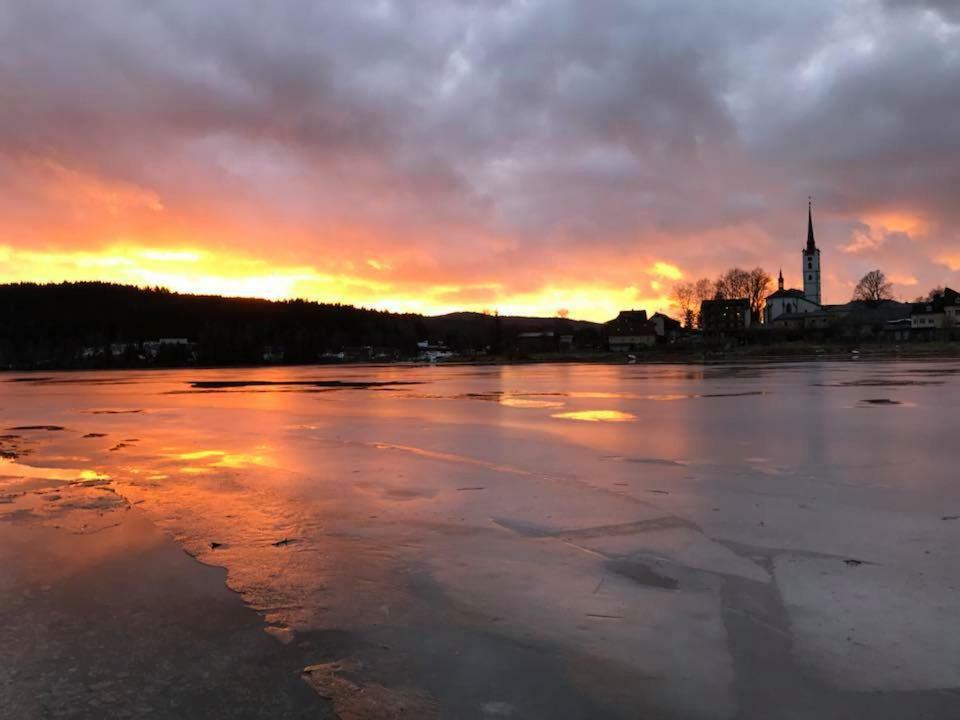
(524, 322)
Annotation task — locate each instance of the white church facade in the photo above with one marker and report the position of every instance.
(791, 301)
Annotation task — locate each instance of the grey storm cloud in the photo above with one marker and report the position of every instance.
(552, 124)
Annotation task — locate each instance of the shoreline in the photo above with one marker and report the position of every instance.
(699, 356)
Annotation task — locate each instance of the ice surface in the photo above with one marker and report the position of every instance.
(671, 538)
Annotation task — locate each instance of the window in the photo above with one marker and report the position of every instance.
(810, 277)
(809, 265)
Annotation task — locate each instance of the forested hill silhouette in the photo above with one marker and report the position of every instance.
(96, 324)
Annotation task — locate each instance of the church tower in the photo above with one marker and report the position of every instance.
(811, 262)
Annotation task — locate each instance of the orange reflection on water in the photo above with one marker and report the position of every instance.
(11, 468)
(199, 455)
(526, 403)
(597, 416)
(223, 459)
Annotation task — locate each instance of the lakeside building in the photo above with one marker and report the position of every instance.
(666, 328)
(787, 302)
(790, 302)
(942, 311)
(725, 316)
(537, 341)
(630, 330)
(855, 319)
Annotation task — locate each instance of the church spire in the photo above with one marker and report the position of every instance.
(780, 280)
(811, 245)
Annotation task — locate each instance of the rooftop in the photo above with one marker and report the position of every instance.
(787, 294)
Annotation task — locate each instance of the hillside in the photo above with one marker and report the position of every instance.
(94, 324)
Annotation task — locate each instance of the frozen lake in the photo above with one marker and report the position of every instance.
(543, 541)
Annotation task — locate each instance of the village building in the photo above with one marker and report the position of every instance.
(537, 341)
(666, 328)
(787, 302)
(630, 330)
(942, 311)
(855, 319)
(725, 316)
(790, 302)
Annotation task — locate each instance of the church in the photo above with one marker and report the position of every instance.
(807, 300)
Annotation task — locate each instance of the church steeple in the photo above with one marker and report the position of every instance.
(811, 261)
(780, 280)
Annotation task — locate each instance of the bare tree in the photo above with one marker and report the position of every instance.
(684, 297)
(737, 283)
(703, 289)
(733, 284)
(873, 287)
(689, 295)
(757, 290)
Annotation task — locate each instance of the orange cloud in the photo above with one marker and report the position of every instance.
(898, 222)
(877, 227)
(667, 270)
(82, 190)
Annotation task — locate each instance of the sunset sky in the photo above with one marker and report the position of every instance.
(520, 155)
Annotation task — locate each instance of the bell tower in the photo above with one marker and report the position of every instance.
(811, 261)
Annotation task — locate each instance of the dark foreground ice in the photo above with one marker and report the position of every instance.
(549, 541)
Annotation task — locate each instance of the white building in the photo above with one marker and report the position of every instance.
(811, 263)
(938, 312)
(783, 302)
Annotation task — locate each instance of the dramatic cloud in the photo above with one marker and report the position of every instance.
(525, 155)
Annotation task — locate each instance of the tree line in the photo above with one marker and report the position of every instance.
(76, 324)
(53, 324)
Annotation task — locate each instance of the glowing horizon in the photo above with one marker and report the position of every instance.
(476, 158)
(202, 272)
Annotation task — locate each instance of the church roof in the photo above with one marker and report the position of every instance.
(787, 294)
(811, 244)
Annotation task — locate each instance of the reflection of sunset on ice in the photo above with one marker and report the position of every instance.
(611, 534)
